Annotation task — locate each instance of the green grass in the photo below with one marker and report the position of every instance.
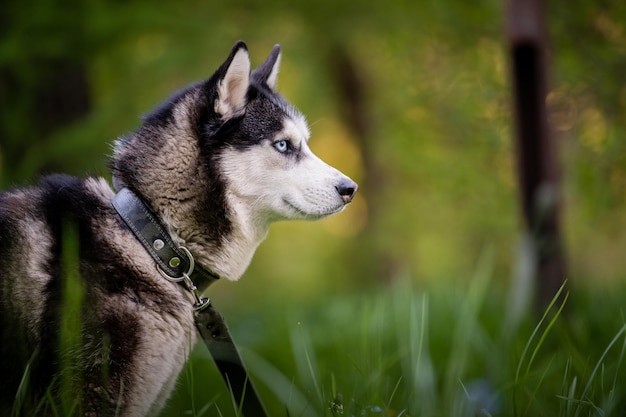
(448, 351)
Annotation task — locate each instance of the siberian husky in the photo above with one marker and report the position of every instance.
(216, 163)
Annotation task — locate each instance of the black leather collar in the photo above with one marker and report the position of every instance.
(174, 262)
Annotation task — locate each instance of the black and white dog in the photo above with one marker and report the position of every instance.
(216, 164)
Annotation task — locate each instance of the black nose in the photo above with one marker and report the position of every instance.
(347, 190)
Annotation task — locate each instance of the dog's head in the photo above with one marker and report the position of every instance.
(267, 161)
(237, 129)
(229, 153)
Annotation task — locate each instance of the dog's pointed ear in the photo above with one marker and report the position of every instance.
(232, 87)
(267, 72)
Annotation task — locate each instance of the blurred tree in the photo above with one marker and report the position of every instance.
(421, 93)
(538, 173)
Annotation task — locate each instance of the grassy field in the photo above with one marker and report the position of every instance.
(448, 351)
(436, 167)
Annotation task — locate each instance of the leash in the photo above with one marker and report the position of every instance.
(176, 264)
(218, 340)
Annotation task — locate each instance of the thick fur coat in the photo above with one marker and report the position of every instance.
(217, 162)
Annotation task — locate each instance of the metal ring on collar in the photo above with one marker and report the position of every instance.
(192, 265)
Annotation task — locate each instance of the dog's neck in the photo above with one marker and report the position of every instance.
(247, 233)
(219, 229)
(165, 165)
(226, 255)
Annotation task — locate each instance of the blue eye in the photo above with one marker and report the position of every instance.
(282, 146)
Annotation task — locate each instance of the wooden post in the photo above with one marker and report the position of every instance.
(536, 151)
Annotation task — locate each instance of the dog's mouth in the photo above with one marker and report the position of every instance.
(312, 215)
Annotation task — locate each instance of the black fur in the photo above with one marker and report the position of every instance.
(66, 228)
(262, 119)
(69, 209)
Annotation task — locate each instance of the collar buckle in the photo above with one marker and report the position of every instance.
(200, 302)
(171, 260)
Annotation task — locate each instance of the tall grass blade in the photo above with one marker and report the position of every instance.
(531, 400)
(545, 334)
(595, 369)
(22, 390)
(282, 387)
(530, 341)
(468, 328)
(305, 361)
(620, 360)
(70, 338)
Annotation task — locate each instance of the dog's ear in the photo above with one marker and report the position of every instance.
(233, 85)
(267, 72)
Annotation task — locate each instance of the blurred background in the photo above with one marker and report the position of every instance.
(412, 99)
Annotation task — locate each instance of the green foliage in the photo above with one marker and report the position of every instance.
(437, 96)
(402, 352)
(439, 144)
(397, 351)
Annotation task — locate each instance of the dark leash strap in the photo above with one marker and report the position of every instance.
(218, 340)
(176, 264)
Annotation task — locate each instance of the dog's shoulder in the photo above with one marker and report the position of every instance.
(62, 195)
(55, 199)
(53, 202)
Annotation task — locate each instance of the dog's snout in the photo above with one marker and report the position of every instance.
(347, 189)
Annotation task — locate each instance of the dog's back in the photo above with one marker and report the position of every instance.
(30, 243)
(121, 303)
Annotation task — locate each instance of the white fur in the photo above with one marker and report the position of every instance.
(156, 368)
(266, 186)
(25, 300)
(273, 77)
(232, 89)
